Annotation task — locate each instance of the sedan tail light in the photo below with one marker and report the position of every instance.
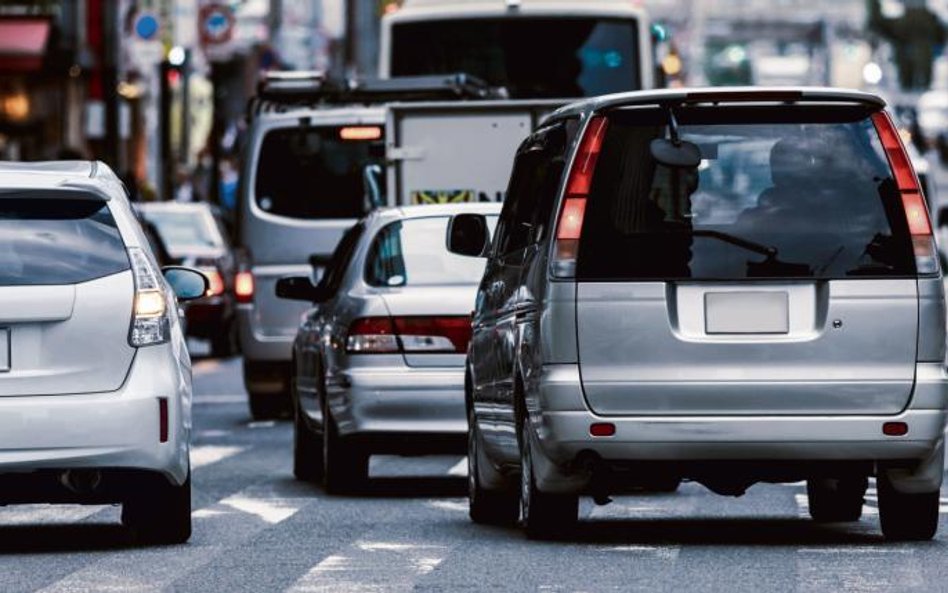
(215, 281)
(151, 322)
(409, 335)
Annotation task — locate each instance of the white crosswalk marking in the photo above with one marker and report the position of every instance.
(459, 469)
(369, 566)
(34, 514)
(204, 455)
(858, 568)
(271, 510)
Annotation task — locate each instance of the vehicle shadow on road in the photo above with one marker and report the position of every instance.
(426, 487)
(31, 539)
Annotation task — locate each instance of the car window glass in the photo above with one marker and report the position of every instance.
(413, 252)
(46, 240)
(339, 262)
(186, 229)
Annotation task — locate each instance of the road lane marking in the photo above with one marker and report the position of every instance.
(32, 514)
(213, 399)
(261, 424)
(855, 568)
(456, 505)
(459, 469)
(271, 510)
(372, 566)
(660, 552)
(204, 455)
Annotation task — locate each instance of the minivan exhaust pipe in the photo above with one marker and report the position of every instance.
(81, 481)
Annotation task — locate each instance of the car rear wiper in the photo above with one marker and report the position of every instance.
(768, 250)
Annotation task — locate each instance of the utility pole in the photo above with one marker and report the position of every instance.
(110, 53)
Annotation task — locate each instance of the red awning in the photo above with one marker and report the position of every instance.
(23, 43)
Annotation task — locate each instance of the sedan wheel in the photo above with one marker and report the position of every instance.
(345, 464)
(307, 449)
(488, 507)
(544, 515)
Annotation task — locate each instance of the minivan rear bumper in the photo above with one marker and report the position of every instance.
(561, 429)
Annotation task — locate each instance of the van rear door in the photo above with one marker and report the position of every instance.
(777, 278)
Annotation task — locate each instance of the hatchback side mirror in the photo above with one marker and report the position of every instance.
(298, 288)
(186, 283)
(468, 235)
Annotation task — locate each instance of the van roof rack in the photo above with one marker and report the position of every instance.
(280, 92)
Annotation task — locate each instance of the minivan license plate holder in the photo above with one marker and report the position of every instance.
(4, 349)
(747, 312)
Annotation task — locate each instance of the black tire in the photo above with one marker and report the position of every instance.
(907, 517)
(159, 512)
(544, 515)
(307, 449)
(266, 406)
(836, 500)
(345, 464)
(662, 484)
(225, 343)
(486, 507)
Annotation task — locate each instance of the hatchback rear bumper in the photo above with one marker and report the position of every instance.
(399, 401)
(115, 430)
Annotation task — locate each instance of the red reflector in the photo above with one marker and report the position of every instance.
(602, 429)
(571, 219)
(243, 287)
(917, 214)
(895, 429)
(360, 133)
(163, 419)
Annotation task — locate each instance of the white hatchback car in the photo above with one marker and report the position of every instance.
(95, 376)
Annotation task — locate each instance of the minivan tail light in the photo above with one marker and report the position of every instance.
(244, 287)
(409, 335)
(913, 202)
(570, 222)
(151, 322)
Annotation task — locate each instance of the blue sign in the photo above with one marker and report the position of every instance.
(147, 26)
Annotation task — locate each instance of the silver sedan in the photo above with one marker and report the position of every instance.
(378, 362)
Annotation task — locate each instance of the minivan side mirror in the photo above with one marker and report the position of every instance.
(298, 288)
(186, 283)
(468, 235)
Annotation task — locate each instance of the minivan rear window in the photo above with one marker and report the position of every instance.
(47, 240)
(313, 173)
(780, 193)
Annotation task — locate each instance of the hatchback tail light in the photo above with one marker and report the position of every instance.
(244, 287)
(151, 323)
(409, 335)
(570, 223)
(913, 202)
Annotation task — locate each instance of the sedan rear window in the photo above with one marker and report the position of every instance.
(414, 252)
(779, 193)
(47, 240)
(315, 173)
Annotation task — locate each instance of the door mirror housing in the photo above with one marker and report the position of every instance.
(469, 235)
(186, 283)
(299, 288)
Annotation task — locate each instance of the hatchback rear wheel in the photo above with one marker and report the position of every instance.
(544, 515)
(836, 500)
(487, 507)
(906, 517)
(159, 512)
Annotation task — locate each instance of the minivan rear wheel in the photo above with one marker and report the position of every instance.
(486, 507)
(544, 515)
(159, 512)
(906, 517)
(836, 500)
(345, 464)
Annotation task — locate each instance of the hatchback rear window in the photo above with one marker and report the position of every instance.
(779, 193)
(46, 240)
(414, 252)
(314, 173)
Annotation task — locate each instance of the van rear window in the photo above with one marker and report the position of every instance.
(46, 240)
(315, 173)
(779, 193)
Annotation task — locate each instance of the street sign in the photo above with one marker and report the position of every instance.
(147, 26)
(217, 23)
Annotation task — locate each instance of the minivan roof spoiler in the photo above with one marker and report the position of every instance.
(284, 91)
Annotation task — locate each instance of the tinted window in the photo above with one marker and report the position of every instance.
(779, 193)
(314, 173)
(414, 252)
(188, 229)
(46, 240)
(535, 58)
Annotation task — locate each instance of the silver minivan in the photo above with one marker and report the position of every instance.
(725, 286)
(308, 176)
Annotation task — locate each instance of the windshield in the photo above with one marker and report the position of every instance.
(535, 58)
(779, 193)
(414, 252)
(186, 229)
(315, 173)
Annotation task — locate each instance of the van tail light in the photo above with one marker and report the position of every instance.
(409, 335)
(215, 282)
(244, 287)
(570, 223)
(151, 322)
(913, 202)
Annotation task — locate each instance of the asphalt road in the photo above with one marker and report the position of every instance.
(256, 529)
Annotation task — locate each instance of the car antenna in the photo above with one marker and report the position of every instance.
(673, 127)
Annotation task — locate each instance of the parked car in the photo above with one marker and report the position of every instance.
(95, 378)
(378, 363)
(193, 234)
(932, 112)
(632, 322)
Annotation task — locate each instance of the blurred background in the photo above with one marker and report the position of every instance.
(158, 88)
